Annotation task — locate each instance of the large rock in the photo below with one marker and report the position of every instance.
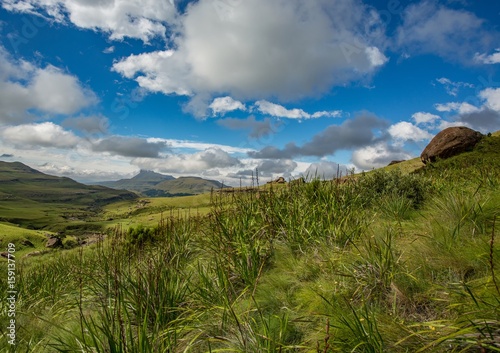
(54, 242)
(450, 142)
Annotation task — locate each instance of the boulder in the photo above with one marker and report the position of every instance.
(396, 162)
(54, 242)
(279, 180)
(450, 142)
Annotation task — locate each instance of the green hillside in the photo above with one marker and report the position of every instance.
(188, 186)
(36, 200)
(390, 261)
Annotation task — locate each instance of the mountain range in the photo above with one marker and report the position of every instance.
(150, 183)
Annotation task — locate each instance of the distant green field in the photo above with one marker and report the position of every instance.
(149, 211)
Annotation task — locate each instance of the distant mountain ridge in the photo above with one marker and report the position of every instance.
(145, 180)
(154, 184)
(35, 200)
(19, 181)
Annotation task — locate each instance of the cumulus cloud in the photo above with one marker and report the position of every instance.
(38, 135)
(142, 19)
(326, 170)
(199, 146)
(129, 146)
(461, 108)
(257, 128)
(270, 167)
(429, 28)
(492, 98)
(262, 49)
(488, 59)
(280, 111)
(89, 124)
(196, 163)
(25, 88)
(405, 131)
(222, 105)
(484, 118)
(353, 133)
(378, 155)
(421, 118)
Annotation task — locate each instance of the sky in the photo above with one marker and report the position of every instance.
(225, 89)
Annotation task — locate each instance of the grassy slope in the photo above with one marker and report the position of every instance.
(36, 200)
(149, 211)
(307, 268)
(15, 234)
(188, 185)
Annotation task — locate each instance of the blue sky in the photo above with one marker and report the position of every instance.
(97, 90)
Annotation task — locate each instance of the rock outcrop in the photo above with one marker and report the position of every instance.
(450, 142)
(54, 242)
(279, 180)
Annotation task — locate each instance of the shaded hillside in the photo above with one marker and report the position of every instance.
(36, 200)
(17, 180)
(188, 186)
(143, 181)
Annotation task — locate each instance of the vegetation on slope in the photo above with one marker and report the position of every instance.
(36, 200)
(388, 262)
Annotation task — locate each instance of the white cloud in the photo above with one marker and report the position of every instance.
(262, 49)
(326, 170)
(280, 111)
(378, 156)
(443, 124)
(39, 135)
(424, 118)
(488, 59)
(57, 92)
(429, 28)
(159, 71)
(461, 108)
(452, 88)
(327, 114)
(142, 19)
(485, 118)
(277, 110)
(25, 88)
(199, 146)
(198, 162)
(405, 131)
(109, 50)
(226, 104)
(492, 98)
(375, 56)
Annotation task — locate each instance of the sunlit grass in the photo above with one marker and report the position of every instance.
(391, 262)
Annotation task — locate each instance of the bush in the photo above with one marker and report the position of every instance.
(380, 183)
(139, 236)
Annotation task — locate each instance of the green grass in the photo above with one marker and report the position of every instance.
(391, 262)
(25, 240)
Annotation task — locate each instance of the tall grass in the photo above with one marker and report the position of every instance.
(381, 262)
